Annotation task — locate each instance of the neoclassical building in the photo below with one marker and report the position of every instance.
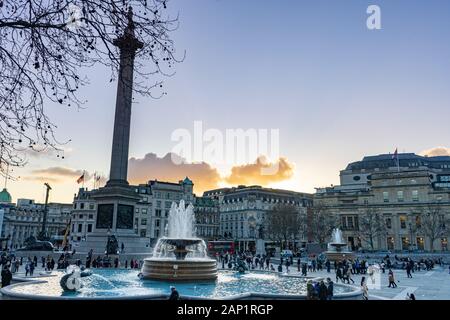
(24, 219)
(400, 190)
(244, 209)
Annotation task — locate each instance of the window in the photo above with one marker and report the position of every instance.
(144, 222)
(390, 243)
(158, 212)
(144, 211)
(168, 204)
(444, 244)
(388, 223)
(81, 216)
(91, 216)
(405, 243)
(91, 206)
(403, 221)
(157, 223)
(80, 227)
(137, 210)
(158, 204)
(418, 222)
(82, 205)
(385, 196)
(415, 195)
(400, 196)
(89, 227)
(143, 233)
(420, 243)
(157, 233)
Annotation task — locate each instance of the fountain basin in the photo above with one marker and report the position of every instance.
(179, 270)
(120, 284)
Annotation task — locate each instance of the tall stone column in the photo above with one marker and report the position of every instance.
(127, 44)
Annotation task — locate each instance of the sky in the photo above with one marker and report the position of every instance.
(335, 91)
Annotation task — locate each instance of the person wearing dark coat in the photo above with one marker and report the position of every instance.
(330, 289)
(323, 291)
(174, 294)
(6, 276)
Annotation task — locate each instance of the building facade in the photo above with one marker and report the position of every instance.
(400, 190)
(24, 219)
(243, 213)
(151, 212)
(207, 218)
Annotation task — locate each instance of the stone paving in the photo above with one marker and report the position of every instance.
(426, 285)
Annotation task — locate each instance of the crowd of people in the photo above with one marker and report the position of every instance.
(320, 290)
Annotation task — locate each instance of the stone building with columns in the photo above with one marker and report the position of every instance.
(401, 189)
(24, 219)
(244, 209)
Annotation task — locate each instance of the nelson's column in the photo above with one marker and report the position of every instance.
(116, 201)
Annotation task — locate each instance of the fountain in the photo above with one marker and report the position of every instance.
(337, 249)
(180, 255)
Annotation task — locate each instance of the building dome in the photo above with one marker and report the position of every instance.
(5, 197)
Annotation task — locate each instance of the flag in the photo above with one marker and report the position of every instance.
(81, 179)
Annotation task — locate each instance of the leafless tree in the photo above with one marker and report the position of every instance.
(371, 225)
(319, 223)
(47, 45)
(432, 222)
(283, 223)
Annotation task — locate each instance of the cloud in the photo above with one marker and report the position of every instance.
(140, 170)
(261, 172)
(57, 174)
(438, 151)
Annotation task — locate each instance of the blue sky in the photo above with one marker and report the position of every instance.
(335, 90)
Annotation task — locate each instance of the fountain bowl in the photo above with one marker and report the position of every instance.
(179, 266)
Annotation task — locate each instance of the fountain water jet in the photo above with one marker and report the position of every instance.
(180, 255)
(337, 249)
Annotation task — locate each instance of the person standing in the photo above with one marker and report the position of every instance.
(330, 289)
(408, 270)
(6, 276)
(391, 279)
(328, 265)
(299, 264)
(323, 291)
(364, 289)
(304, 270)
(174, 294)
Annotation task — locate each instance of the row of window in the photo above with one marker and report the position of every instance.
(401, 196)
(84, 206)
(419, 243)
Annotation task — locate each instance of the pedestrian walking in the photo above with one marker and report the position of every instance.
(391, 279)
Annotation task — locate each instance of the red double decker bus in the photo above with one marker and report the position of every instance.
(219, 247)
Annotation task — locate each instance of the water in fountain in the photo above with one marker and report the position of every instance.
(180, 231)
(336, 237)
(180, 255)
